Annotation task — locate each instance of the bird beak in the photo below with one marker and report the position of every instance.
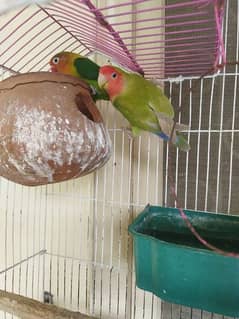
(102, 81)
(53, 68)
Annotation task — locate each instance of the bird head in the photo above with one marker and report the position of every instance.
(111, 79)
(63, 62)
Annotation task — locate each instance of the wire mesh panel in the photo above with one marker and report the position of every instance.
(71, 239)
(207, 177)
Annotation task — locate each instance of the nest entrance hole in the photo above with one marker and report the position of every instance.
(86, 106)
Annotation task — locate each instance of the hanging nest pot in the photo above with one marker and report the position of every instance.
(50, 129)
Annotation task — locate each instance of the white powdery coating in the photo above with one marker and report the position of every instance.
(46, 137)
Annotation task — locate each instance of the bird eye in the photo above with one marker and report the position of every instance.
(114, 75)
(56, 60)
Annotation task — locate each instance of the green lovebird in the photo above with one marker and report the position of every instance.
(142, 103)
(77, 65)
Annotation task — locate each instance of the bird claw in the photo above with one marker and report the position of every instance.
(93, 90)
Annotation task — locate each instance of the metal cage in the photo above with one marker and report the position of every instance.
(69, 242)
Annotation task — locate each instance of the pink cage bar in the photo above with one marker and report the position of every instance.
(188, 35)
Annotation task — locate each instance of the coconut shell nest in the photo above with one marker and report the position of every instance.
(50, 129)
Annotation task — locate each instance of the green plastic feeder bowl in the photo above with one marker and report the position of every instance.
(171, 263)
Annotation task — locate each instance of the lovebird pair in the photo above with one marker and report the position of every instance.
(140, 101)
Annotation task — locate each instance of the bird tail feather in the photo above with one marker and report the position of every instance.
(178, 140)
(181, 143)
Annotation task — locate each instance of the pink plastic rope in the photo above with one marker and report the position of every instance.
(192, 228)
(219, 11)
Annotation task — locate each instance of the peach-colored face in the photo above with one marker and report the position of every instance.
(111, 80)
(59, 63)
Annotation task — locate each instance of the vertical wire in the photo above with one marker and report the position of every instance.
(53, 209)
(95, 208)
(86, 285)
(95, 237)
(137, 203)
(221, 115)
(189, 137)
(95, 241)
(147, 198)
(28, 241)
(13, 238)
(39, 222)
(58, 249)
(112, 215)
(136, 187)
(166, 176)
(74, 218)
(120, 223)
(103, 238)
(167, 153)
(34, 244)
(134, 307)
(152, 305)
(198, 143)
(44, 239)
(20, 241)
(209, 143)
(65, 219)
(6, 237)
(156, 192)
(148, 168)
(79, 286)
(138, 171)
(39, 242)
(72, 244)
(233, 119)
(129, 276)
(89, 286)
(118, 294)
(177, 151)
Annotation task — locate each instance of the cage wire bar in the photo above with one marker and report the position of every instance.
(71, 239)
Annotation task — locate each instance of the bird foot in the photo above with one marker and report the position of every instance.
(93, 90)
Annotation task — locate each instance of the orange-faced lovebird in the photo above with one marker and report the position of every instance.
(142, 103)
(77, 65)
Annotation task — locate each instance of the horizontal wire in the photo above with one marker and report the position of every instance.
(143, 20)
(160, 8)
(41, 252)
(180, 78)
(92, 263)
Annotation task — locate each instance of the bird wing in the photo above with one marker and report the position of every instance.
(86, 68)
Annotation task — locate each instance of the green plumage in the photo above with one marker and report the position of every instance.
(89, 71)
(145, 106)
(141, 102)
(79, 66)
(87, 68)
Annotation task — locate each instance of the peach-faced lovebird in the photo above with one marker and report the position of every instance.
(77, 65)
(142, 103)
